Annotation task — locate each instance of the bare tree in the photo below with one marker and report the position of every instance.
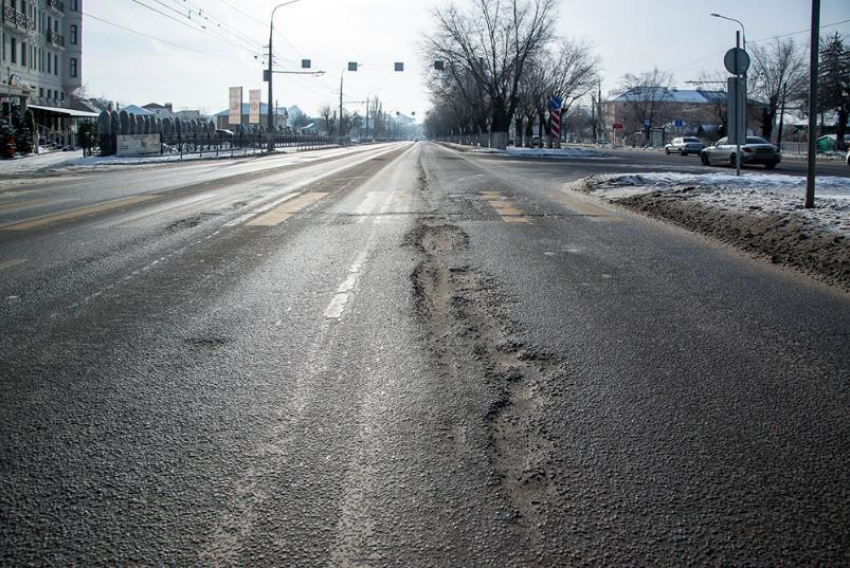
(778, 67)
(328, 119)
(646, 97)
(491, 41)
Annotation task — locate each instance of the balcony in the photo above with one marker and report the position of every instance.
(57, 5)
(17, 20)
(57, 40)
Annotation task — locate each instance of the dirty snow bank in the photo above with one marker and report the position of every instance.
(761, 214)
(555, 153)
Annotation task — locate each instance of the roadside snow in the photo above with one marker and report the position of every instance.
(761, 214)
(38, 162)
(555, 152)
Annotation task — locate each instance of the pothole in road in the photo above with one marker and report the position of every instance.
(466, 317)
(189, 222)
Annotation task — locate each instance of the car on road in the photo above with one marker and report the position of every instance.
(684, 145)
(755, 150)
(847, 159)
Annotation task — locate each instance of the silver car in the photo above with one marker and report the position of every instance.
(755, 151)
(684, 145)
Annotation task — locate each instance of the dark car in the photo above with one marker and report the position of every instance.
(684, 145)
(755, 151)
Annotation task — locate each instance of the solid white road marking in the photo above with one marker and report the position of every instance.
(11, 263)
(337, 306)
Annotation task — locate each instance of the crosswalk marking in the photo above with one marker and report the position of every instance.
(75, 213)
(507, 210)
(285, 211)
(583, 206)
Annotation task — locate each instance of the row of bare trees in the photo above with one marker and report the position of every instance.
(494, 63)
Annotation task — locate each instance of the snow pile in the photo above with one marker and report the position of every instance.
(554, 152)
(761, 214)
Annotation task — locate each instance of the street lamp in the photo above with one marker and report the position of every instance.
(270, 77)
(743, 31)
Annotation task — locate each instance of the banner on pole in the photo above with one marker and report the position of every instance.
(254, 97)
(235, 106)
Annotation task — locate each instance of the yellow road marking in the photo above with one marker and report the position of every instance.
(583, 206)
(75, 213)
(282, 213)
(10, 206)
(509, 212)
(11, 263)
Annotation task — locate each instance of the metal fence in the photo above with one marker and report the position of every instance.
(221, 145)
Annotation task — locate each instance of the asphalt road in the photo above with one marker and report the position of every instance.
(406, 356)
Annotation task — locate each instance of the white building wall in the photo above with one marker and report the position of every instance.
(41, 45)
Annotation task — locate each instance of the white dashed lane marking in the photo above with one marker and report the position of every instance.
(337, 306)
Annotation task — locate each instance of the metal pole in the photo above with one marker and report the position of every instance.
(737, 110)
(271, 83)
(339, 121)
(813, 103)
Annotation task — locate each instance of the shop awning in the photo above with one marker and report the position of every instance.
(68, 112)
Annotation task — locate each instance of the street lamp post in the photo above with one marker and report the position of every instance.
(270, 78)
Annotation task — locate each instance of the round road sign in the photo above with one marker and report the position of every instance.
(737, 61)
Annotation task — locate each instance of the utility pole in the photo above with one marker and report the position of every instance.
(813, 103)
(782, 115)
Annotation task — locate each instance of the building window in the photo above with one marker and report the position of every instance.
(41, 92)
(56, 65)
(49, 63)
(74, 6)
(62, 96)
(13, 49)
(73, 34)
(23, 54)
(73, 68)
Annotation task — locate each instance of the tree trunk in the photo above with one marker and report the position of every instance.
(518, 134)
(499, 128)
(767, 118)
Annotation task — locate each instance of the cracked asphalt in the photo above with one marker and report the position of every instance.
(405, 355)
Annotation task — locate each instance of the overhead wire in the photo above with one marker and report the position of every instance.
(165, 41)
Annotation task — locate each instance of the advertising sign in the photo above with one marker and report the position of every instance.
(254, 96)
(235, 106)
(138, 144)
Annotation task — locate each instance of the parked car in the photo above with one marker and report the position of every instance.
(684, 145)
(847, 159)
(755, 151)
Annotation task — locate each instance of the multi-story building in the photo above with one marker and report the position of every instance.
(41, 53)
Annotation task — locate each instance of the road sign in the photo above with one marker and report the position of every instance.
(352, 66)
(306, 64)
(737, 61)
(736, 95)
(399, 66)
(679, 123)
(555, 103)
(617, 126)
(647, 123)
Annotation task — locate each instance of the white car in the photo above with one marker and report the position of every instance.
(684, 145)
(848, 157)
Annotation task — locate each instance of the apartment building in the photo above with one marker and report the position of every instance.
(41, 48)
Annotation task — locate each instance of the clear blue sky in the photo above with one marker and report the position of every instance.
(628, 35)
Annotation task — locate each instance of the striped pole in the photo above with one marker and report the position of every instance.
(555, 121)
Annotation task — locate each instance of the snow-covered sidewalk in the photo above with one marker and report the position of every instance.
(53, 161)
(762, 214)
